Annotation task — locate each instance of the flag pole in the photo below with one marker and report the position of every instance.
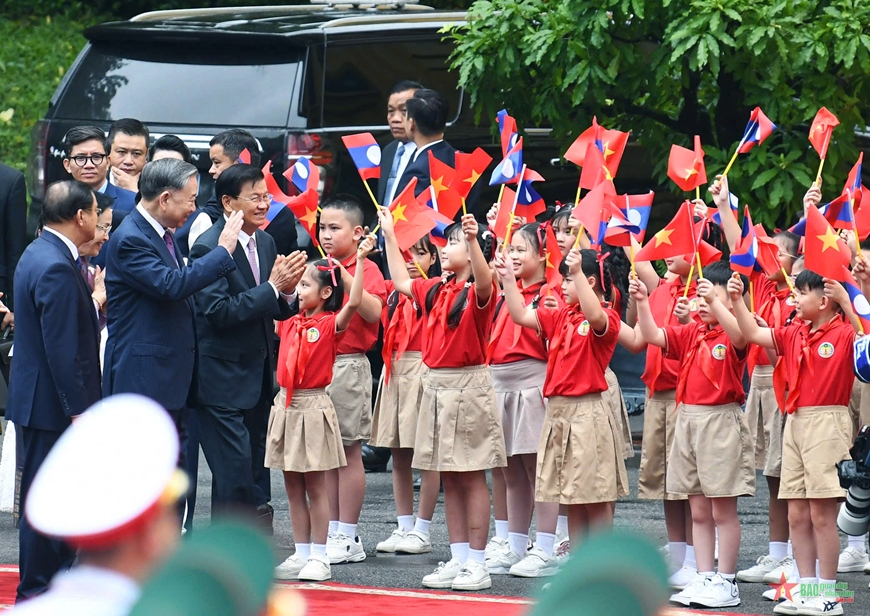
(465, 212)
(577, 195)
(734, 157)
(787, 279)
(855, 225)
(822, 162)
(751, 297)
(507, 234)
(500, 194)
(689, 280)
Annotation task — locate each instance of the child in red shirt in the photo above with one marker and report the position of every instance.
(710, 460)
(303, 439)
(582, 337)
(816, 374)
(459, 432)
(398, 405)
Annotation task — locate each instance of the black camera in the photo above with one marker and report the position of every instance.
(854, 474)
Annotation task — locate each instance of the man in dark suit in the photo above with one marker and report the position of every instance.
(398, 152)
(13, 239)
(56, 372)
(86, 159)
(235, 330)
(151, 346)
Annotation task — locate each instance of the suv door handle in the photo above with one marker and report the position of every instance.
(557, 163)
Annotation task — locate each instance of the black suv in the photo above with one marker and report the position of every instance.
(297, 77)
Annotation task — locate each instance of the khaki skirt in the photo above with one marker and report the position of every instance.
(579, 462)
(519, 397)
(398, 403)
(614, 401)
(304, 437)
(459, 429)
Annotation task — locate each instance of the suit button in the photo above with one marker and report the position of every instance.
(262, 350)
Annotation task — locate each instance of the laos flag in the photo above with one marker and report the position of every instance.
(366, 154)
(757, 130)
(303, 175)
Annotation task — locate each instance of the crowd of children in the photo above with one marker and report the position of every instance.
(490, 367)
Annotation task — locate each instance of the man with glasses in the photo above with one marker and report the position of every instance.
(86, 160)
(234, 326)
(56, 372)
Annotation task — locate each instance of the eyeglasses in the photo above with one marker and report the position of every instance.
(104, 228)
(81, 160)
(257, 199)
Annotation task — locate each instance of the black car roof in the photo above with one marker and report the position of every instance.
(272, 23)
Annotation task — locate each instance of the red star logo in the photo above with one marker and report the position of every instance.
(783, 589)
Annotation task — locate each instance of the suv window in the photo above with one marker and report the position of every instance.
(224, 86)
(359, 75)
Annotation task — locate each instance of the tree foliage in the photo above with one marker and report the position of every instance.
(669, 69)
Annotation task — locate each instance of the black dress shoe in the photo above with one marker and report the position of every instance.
(375, 458)
(266, 518)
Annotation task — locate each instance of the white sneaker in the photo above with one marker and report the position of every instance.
(473, 576)
(763, 566)
(343, 549)
(562, 550)
(290, 568)
(694, 589)
(443, 575)
(501, 561)
(682, 577)
(851, 560)
(496, 544)
(537, 563)
(389, 545)
(786, 566)
(718, 592)
(317, 569)
(819, 606)
(414, 542)
(787, 607)
(770, 594)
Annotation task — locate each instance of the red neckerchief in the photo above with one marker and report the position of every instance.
(397, 333)
(441, 307)
(503, 320)
(783, 381)
(700, 350)
(560, 345)
(299, 351)
(677, 287)
(771, 305)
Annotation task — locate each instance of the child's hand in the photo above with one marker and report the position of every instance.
(759, 321)
(719, 190)
(735, 287)
(550, 301)
(836, 292)
(385, 218)
(503, 269)
(813, 196)
(574, 224)
(682, 309)
(366, 246)
(862, 269)
(699, 208)
(848, 236)
(492, 215)
(574, 261)
(705, 290)
(637, 290)
(469, 227)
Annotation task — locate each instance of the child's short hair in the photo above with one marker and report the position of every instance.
(351, 207)
(808, 280)
(792, 242)
(322, 272)
(719, 273)
(591, 265)
(712, 233)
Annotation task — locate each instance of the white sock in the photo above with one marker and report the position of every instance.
(501, 529)
(545, 542)
(347, 529)
(477, 556)
(818, 570)
(707, 574)
(318, 548)
(690, 561)
(562, 525)
(304, 550)
(858, 543)
(422, 526)
(333, 527)
(795, 572)
(406, 522)
(778, 549)
(790, 549)
(677, 552)
(519, 543)
(459, 551)
(726, 576)
(809, 580)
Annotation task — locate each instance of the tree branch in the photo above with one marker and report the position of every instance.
(662, 118)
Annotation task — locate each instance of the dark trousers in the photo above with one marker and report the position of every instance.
(39, 558)
(180, 418)
(234, 444)
(192, 466)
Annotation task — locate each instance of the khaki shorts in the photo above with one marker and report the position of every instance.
(712, 452)
(814, 440)
(579, 461)
(859, 405)
(765, 422)
(351, 394)
(659, 418)
(398, 403)
(459, 428)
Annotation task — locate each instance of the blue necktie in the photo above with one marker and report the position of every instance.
(391, 179)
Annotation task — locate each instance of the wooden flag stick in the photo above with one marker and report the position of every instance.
(819, 174)
(631, 258)
(464, 211)
(419, 269)
(577, 195)
(751, 297)
(500, 194)
(700, 270)
(733, 159)
(787, 279)
(689, 279)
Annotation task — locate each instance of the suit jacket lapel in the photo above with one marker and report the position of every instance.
(150, 232)
(262, 256)
(82, 285)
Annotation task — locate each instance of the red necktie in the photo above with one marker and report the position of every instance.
(705, 360)
(677, 288)
(503, 319)
(397, 333)
(298, 353)
(441, 308)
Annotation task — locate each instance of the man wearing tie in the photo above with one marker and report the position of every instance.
(235, 333)
(399, 152)
(151, 349)
(56, 372)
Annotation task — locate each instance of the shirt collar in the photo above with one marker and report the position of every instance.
(102, 189)
(244, 238)
(123, 590)
(424, 148)
(72, 247)
(408, 148)
(151, 221)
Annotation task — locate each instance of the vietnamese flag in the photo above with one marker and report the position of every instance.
(824, 251)
(500, 226)
(821, 129)
(554, 258)
(469, 168)
(588, 211)
(595, 170)
(768, 252)
(440, 174)
(677, 238)
(611, 144)
(411, 219)
(686, 167)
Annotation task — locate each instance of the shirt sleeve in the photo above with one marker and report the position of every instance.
(676, 337)
(783, 338)
(373, 282)
(548, 320)
(419, 288)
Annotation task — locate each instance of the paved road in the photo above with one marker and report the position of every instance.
(406, 571)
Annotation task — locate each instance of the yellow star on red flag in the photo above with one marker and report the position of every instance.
(663, 237)
(829, 239)
(399, 212)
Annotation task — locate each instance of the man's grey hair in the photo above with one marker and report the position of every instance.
(164, 174)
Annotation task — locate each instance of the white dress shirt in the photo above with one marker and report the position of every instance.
(244, 238)
(73, 249)
(84, 590)
(424, 148)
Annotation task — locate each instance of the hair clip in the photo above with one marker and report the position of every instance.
(542, 234)
(600, 259)
(331, 267)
